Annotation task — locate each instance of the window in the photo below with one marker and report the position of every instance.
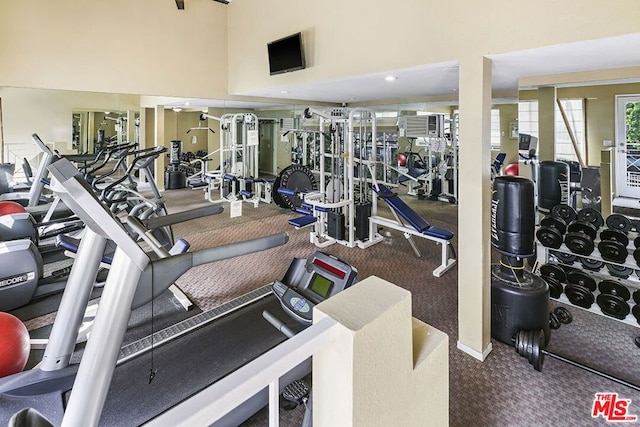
(573, 108)
(495, 129)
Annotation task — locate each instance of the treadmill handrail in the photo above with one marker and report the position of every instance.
(162, 273)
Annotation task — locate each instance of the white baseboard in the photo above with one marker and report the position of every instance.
(480, 356)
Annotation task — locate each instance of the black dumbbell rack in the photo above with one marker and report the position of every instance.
(625, 274)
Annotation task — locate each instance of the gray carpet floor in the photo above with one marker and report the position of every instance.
(504, 390)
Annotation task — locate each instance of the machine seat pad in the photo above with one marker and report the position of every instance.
(303, 221)
(197, 184)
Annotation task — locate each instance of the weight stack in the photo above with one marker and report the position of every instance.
(519, 299)
(335, 225)
(363, 212)
(553, 185)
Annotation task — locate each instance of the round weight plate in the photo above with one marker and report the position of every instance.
(579, 295)
(618, 236)
(613, 251)
(636, 296)
(578, 277)
(298, 178)
(590, 215)
(549, 237)
(555, 287)
(579, 243)
(564, 315)
(564, 258)
(554, 271)
(275, 196)
(636, 256)
(636, 242)
(612, 287)
(554, 322)
(566, 212)
(583, 227)
(636, 312)
(554, 222)
(529, 344)
(619, 222)
(613, 305)
(591, 264)
(619, 270)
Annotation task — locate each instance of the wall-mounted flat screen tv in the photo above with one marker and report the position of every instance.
(286, 54)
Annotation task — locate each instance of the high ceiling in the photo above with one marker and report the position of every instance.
(441, 80)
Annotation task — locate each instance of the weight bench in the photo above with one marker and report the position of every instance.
(419, 227)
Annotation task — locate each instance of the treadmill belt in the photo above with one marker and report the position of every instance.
(190, 363)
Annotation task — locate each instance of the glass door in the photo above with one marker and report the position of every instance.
(627, 153)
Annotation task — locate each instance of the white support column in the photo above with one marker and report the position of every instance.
(546, 123)
(131, 126)
(474, 208)
(159, 164)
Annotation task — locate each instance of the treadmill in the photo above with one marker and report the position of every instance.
(114, 386)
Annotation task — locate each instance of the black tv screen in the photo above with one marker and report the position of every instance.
(286, 54)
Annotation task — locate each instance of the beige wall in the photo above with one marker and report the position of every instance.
(49, 112)
(121, 46)
(364, 36)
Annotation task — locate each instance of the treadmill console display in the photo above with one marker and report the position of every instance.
(321, 277)
(321, 285)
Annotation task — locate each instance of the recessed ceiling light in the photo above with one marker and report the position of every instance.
(390, 78)
(186, 103)
(284, 91)
(177, 109)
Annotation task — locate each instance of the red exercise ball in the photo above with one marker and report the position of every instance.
(14, 345)
(511, 169)
(8, 207)
(402, 159)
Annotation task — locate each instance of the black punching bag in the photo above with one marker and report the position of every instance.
(513, 216)
(553, 185)
(519, 299)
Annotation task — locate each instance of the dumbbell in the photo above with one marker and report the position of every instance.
(613, 299)
(619, 222)
(580, 236)
(579, 295)
(558, 317)
(636, 308)
(564, 257)
(614, 240)
(553, 226)
(551, 231)
(564, 212)
(613, 245)
(554, 275)
(619, 270)
(581, 278)
(590, 215)
(591, 264)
